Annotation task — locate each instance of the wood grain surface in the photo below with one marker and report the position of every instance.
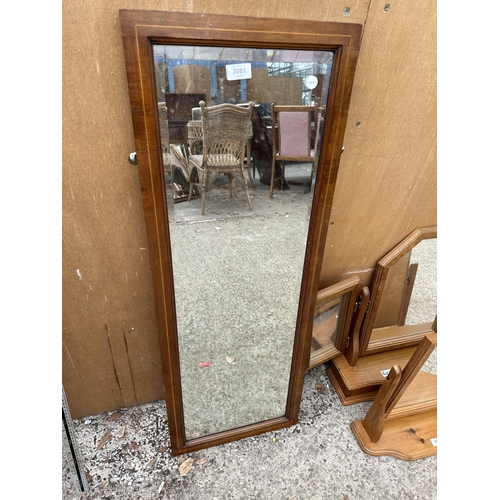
(385, 188)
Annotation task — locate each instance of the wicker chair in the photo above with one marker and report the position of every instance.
(225, 132)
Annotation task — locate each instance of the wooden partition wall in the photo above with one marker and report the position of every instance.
(386, 184)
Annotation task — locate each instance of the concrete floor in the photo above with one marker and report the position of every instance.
(319, 458)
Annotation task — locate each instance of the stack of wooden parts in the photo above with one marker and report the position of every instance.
(385, 334)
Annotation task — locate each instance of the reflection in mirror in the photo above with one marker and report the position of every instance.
(404, 306)
(410, 292)
(332, 320)
(175, 163)
(237, 272)
(423, 302)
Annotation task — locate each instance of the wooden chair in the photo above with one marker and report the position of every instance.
(225, 132)
(402, 420)
(294, 139)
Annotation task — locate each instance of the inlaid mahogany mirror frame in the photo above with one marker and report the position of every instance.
(142, 29)
(377, 339)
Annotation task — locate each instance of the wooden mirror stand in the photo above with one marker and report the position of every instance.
(402, 420)
(392, 285)
(358, 373)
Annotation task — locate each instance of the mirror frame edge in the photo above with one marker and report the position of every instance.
(139, 30)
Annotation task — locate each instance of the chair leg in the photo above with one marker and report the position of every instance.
(245, 186)
(248, 198)
(232, 186)
(242, 180)
(203, 198)
(250, 177)
(193, 182)
(272, 178)
(249, 163)
(282, 175)
(203, 186)
(308, 190)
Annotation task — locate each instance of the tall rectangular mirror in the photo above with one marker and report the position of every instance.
(238, 129)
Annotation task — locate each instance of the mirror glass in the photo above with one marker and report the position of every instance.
(334, 312)
(403, 305)
(325, 329)
(410, 292)
(422, 306)
(237, 270)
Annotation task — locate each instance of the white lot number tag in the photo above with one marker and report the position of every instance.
(385, 372)
(434, 441)
(239, 71)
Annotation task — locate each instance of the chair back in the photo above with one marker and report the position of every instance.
(294, 132)
(225, 133)
(294, 136)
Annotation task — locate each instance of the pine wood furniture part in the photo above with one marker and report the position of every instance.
(358, 378)
(402, 420)
(361, 382)
(334, 311)
(351, 350)
(395, 333)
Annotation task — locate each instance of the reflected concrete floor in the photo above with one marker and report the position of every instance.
(237, 276)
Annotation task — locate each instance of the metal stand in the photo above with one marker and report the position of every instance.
(70, 444)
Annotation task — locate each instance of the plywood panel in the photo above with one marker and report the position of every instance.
(110, 353)
(386, 185)
(293, 88)
(192, 79)
(317, 10)
(257, 86)
(229, 90)
(279, 89)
